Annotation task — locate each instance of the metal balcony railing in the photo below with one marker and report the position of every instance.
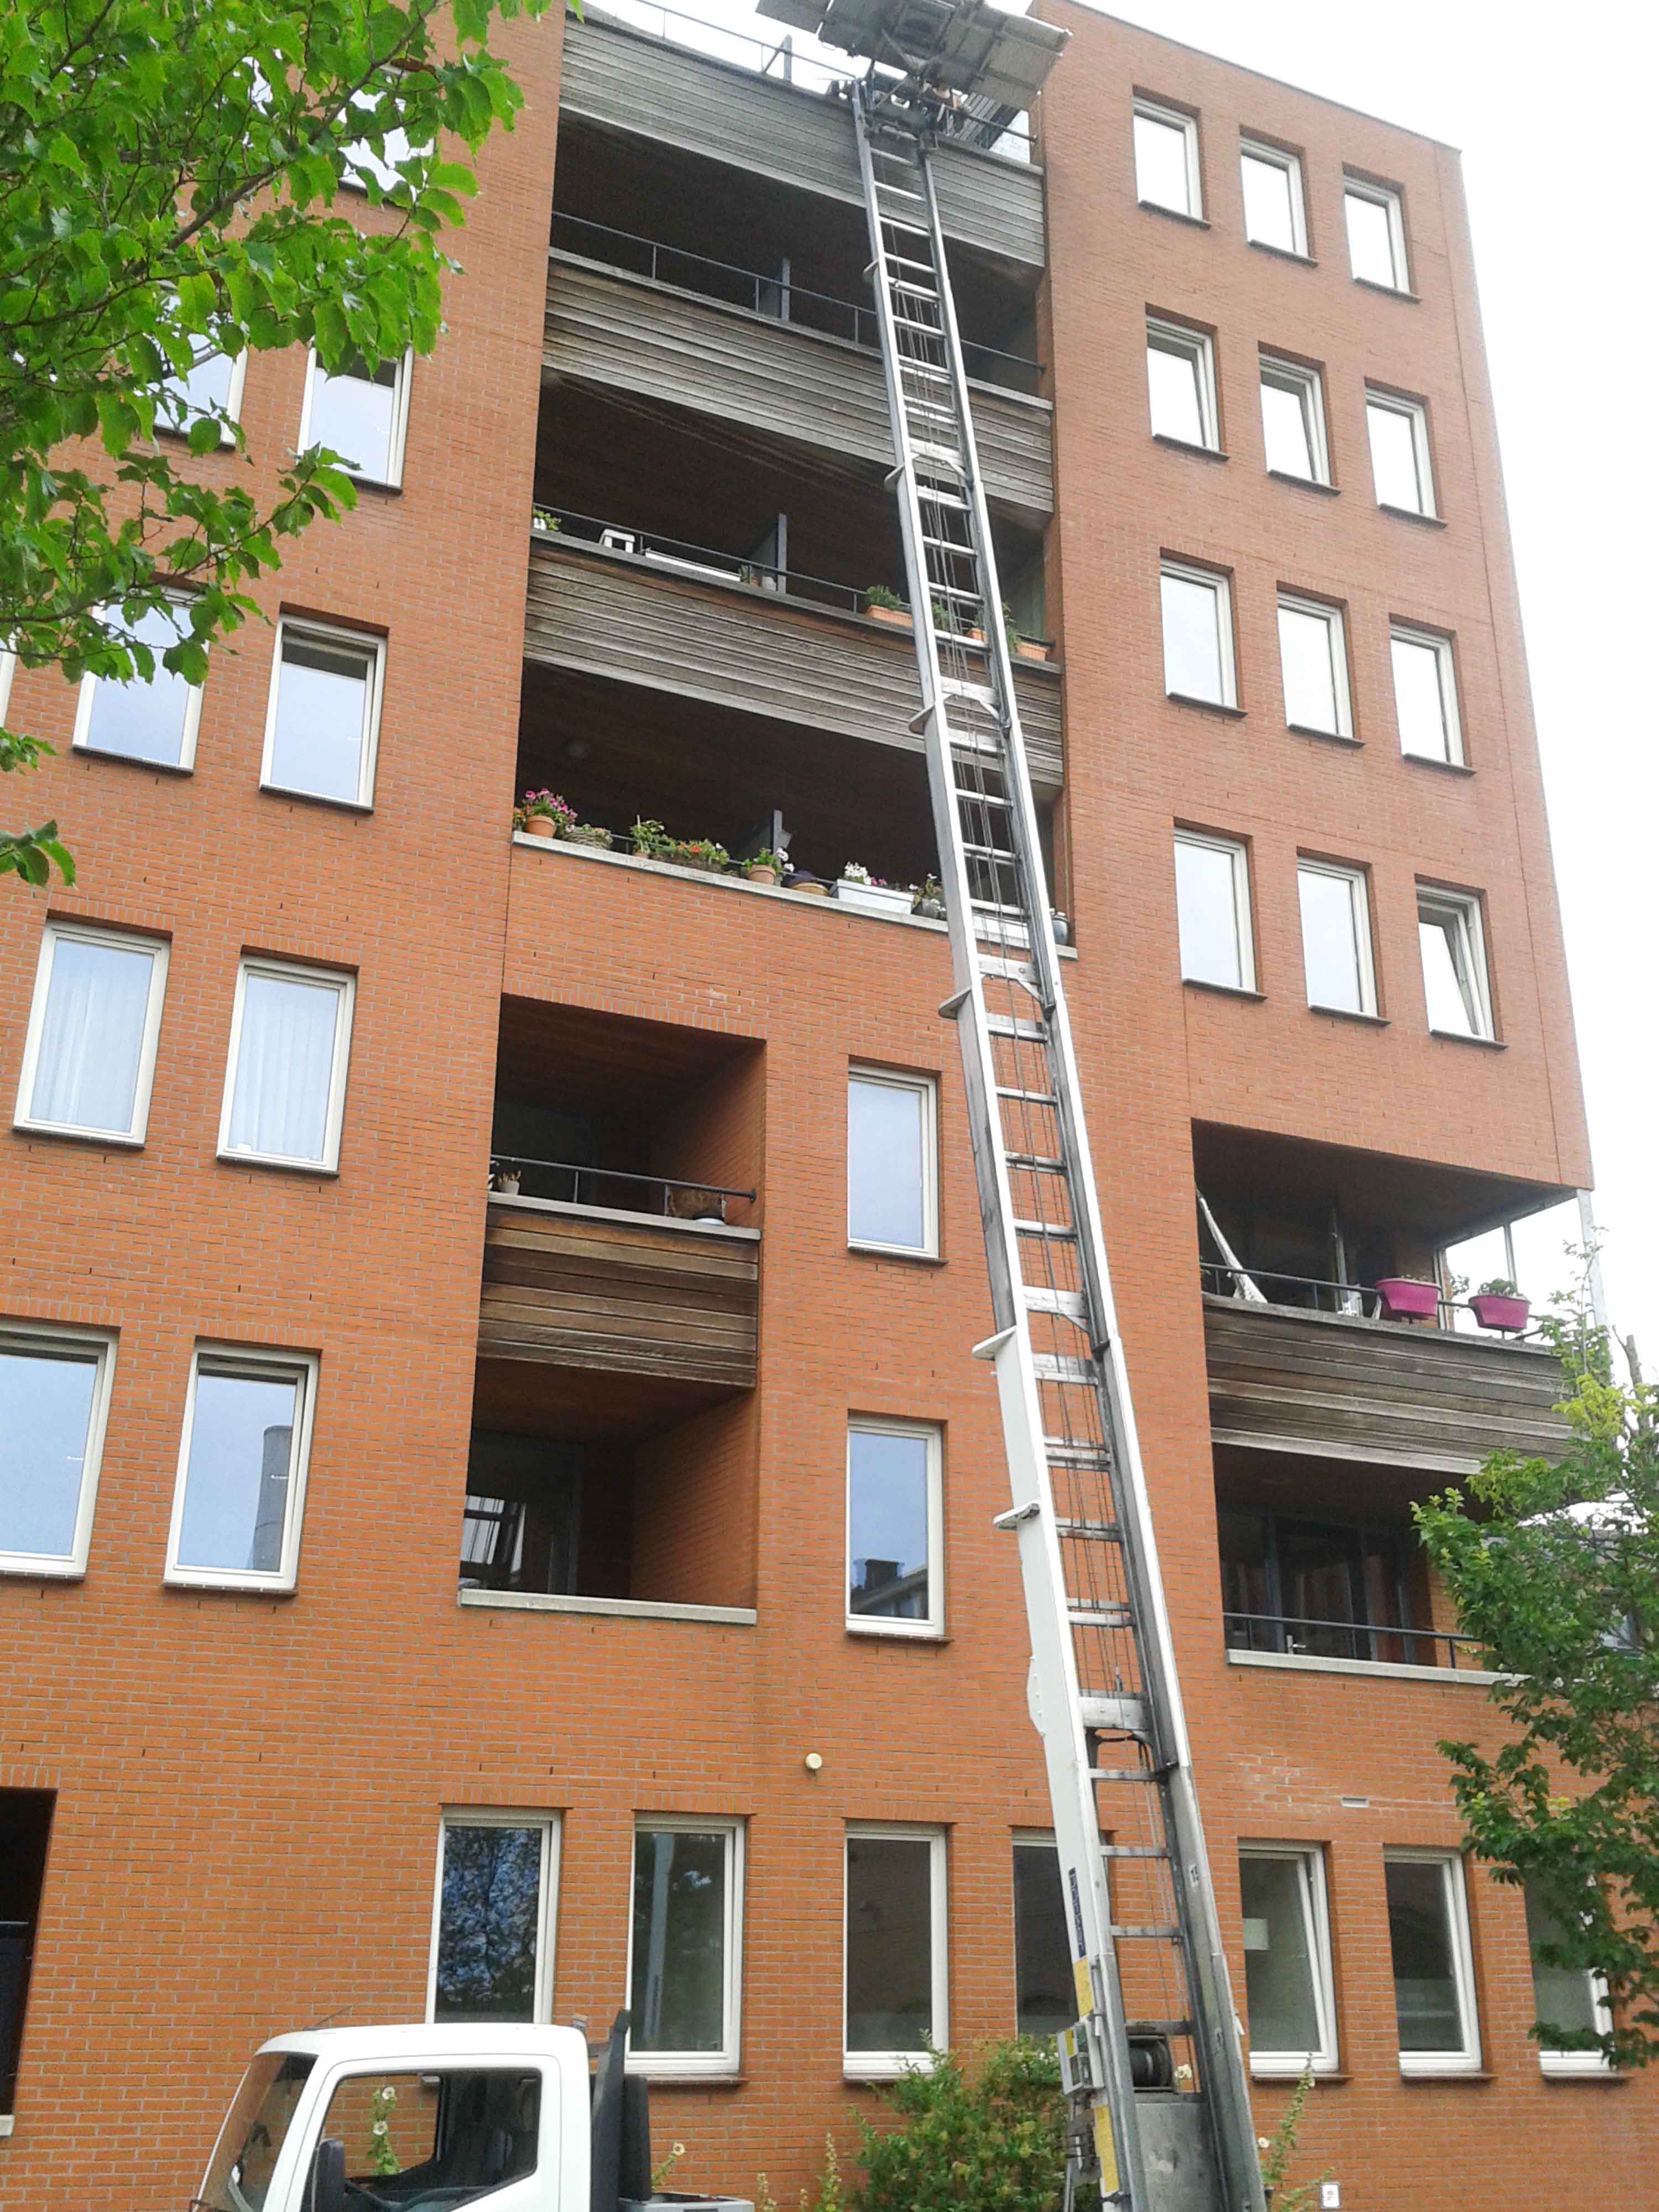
(1312, 1293)
(673, 1197)
(1349, 1640)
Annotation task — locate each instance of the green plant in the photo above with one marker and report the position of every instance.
(879, 595)
(991, 2140)
(1015, 637)
(549, 806)
(650, 838)
(929, 888)
(766, 858)
(665, 2165)
(1499, 1287)
(382, 2159)
(697, 852)
(1279, 2149)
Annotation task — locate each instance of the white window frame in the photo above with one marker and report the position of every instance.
(1190, 572)
(295, 971)
(1277, 157)
(1315, 1916)
(1435, 905)
(126, 940)
(233, 404)
(87, 692)
(1238, 853)
(393, 480)
(255, 1364)
(1360, 895)
(1321, 611)
(8, 670)
(495, 1816)
(329, 634)
(1310, 387)
(1456, 1890)
(1416, 412)
(692, 2064)
(887, 2065)
(1433, 641)
(40, 1337)
(1579, 2062)
(1199, 347)
(1174, 118)
(927, 1087)
(931, 1625)
(1382, 195)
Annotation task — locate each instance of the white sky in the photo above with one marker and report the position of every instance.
(1559, 194)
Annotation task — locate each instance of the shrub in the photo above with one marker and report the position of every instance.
(991, 2140)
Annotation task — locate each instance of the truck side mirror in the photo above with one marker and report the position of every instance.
(328, 2179)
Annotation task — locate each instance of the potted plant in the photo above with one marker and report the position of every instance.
(505, 1176)
(545, 524)
(588, 833)
(700, 853)
(928, 899)
(650, 840)
(885, 605)
(543, 814)
(803, 879)
(1405, 1298)
(858, 889)
(1497, 1305)
(765, 866)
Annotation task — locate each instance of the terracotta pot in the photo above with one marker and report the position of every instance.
(896, 615)
(1497, 1310)
(1026, 650)
(539, 825)
(1404, 1298)
(761, 874)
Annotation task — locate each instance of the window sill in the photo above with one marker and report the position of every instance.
(1209, 706)
(7, 2123)
(1461, 1036)
(1223, 990)
(895, 1252)
(1552, 2069)
(132, 760)
(1282, 252)
(1449, 2073)
(878, 2073)
(1348, 1014)
(1390, 291)
(1176, 214)
(1291, 2070)
(318, 798)
(1412, 514)
(212, 1585)
(1305, 484)
(675, 2079)
(1445, 767)
(1325, 737)
(316, 1168)
(79, 1136)
(42, 1571)
(1398, 1671)
(373, 483)
(1187, 446)
(891, 1632)
(619, 1609)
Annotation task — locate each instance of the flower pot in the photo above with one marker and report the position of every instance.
(872, 898)
(896, 615)
(1028, 649)
(802, 879)
(930, 910)
(1497, 1310)
(1062, 927)
(1404, 1298)
(588, 833)
(539, 825)
(760, 873)
(695, 860)
(504, 1186)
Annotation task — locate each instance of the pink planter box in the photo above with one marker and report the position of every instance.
(1495, 1309)
(1405, 1299)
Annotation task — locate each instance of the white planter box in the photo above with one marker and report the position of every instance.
(873, 898)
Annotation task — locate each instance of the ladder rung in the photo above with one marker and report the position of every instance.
(1097, 1612)
(1031, 1098)
(1009, 1025)
(1035, 1162)
(1039, 1298)
(1064, 1451)
(1103, 1532)
(1127, 1773)
(1163, 1931)
(1133, 1852)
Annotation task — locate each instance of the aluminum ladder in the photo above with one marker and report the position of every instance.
(1159, 2113)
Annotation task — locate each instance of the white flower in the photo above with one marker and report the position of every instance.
(378, 2127)
(679, 2150)
(1262, 2144)
(388, 2095)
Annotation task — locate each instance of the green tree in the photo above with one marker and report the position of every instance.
(1554, 1566)
(171, 175)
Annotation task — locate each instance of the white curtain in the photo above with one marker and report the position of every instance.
(91, 1040)
(284, 1067)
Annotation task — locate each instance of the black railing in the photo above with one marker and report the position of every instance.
(708, 564)
(777, 297)
(672, 1196)
(1311, 1291)
(1348, 1639)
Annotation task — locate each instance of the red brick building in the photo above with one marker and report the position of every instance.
(633, 1629)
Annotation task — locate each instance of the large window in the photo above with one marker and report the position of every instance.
(1453, 944)
(1198, 634)
(1212, 911)
(1287, 1959)
(1336, 937)
(1400, 468)
(895, 1581)
(290, 1034)
(1045, 1991)
(323, 721)
(151, 719)
(1274, 211)
(89, 1052)
(897, 1980)
(241, 1491)
(1325, 1589)
(1426, 695)
(54, 1403)
(1433, 1972)
(492, 1928)
(1293, 419)
(1376, 233)
(685, 1946)
(1567, 1998)
(362, 413)
(1166, 158)
(892, 1161)
(1180, 383)
(1313, 661)
(211, 384)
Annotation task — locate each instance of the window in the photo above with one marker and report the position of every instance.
(1433, 1977)
(1426, 695)
(685, 1945)
(1313, 660)
(1376, 233)
(1274, 214)
(492, 1918)
(1566, 1998)
(25, 1831)
(1401, 469)
(90, 1053)
(892, 1161)
(215, 381)
(241, 1491)
(895, 1579)
(1336, 938)
(1045, 1993)
(897, 1982)
(1453, 946)
(1287, 1959)
(324, 717)
(1198, 634)
(152, 721)
(1180, 384)
(1320, 1590)
(290, 1033)
(363, 164)
(362, 413)
(1212, 911)
(1293, 420)
(54, 1403)
(449, 2137)
(1166, 159)
(521, 1522)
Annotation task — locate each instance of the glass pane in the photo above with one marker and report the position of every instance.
(91, 1038)
(1045, 1995)
(353, 414)
(1425, 1994)
(1447, 983)
(1285, 429)
(205, 386)
(488, 1923)
(1320, 1590)
(435, 2140)
(237, 1482)
(887, 1524)
(1160, 172)
(46, 1411)
(1371, 240)
(1564, 1995)
(1307, 650)
(889, 1943)
(1394, 458)
(1330, 941)
(679, 1994)
(1192, 638)
(244, 2160)
(1279, 1967)
(1206, 909)
(1268, 217)
(284, 1067)
(1173, 387)
(322, 701)
(1418, 705)
(1244, 1587)
(886, 1168)
(140, 721)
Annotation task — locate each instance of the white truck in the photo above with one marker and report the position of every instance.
(435, 2118)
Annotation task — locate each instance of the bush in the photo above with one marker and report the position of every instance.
(990, 2140)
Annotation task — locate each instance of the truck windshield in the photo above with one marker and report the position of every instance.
(239, 2173)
